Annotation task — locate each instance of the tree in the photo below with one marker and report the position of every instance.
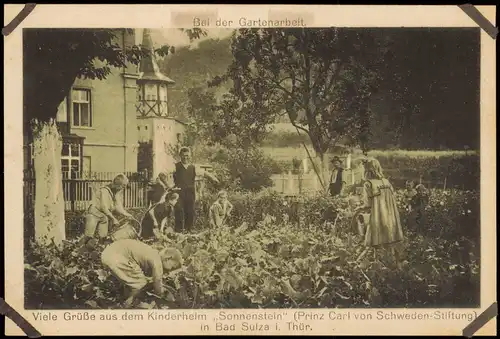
(322, 78)
(430, 81)
(201, 111)
(53, 59)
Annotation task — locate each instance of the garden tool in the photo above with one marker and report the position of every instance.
(125, 230)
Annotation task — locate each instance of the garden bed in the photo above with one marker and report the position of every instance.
(270, 261)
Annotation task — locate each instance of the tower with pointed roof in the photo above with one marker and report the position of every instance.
(158, 130)
(152, 85)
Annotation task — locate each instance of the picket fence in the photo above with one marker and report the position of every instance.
(308, 183)
(298, 184)
(78, 191)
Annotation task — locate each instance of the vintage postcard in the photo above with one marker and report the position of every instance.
(242, 170)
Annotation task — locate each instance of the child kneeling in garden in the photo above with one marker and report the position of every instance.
(220, 210)
(138, 266)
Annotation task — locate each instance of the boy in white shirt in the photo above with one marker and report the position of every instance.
(107, 203)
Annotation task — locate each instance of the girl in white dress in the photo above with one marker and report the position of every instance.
(384, 229)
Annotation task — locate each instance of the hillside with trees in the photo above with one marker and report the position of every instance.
(427, 96)
(192, 67)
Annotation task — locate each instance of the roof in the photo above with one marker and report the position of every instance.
(72, 136)
(148, 69)
(157, 76)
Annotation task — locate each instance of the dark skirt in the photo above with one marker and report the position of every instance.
(335, 188)
(161, 211)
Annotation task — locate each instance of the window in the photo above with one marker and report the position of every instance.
(82, 113)
(163, 93)
(150, 91)
(70, 160)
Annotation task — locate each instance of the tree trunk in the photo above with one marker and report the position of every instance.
(325, 170)
(49, 199)
(322, 171)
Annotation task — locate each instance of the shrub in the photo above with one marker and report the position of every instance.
(461, 171)
(451, 213)
(248, 170)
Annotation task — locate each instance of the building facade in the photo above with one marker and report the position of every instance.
(98, 121)
(120, 124)
(158, 143)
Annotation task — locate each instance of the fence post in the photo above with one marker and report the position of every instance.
(146, 187)
(72, 193)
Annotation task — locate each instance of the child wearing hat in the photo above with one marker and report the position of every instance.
(336, 180)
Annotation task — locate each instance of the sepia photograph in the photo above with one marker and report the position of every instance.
(252, 168)
(301, 167)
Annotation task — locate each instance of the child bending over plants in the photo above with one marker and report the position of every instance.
(384, 229)
(159, 216)
(220, 210)
(107, 203)
(139, 267)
